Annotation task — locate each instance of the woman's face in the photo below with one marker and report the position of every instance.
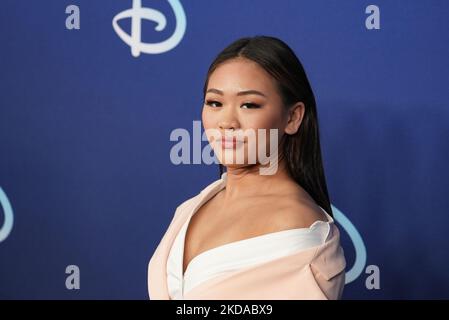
(241, 97)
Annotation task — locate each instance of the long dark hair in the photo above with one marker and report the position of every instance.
(301, 150)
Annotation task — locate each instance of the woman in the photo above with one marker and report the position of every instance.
(255, 234)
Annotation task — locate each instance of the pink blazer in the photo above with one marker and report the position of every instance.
(314, 273)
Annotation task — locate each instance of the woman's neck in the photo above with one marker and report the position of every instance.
(248, 181)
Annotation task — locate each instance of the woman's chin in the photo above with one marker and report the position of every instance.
(236, 166)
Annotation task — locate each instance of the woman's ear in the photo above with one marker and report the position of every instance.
(295, 116)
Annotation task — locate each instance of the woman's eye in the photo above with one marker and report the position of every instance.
(250, 106)
(212, 103)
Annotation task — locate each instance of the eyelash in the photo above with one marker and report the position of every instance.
(254, 105)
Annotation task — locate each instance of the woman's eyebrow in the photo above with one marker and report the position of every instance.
(241, 93)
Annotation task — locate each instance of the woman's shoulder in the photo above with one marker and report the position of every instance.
(294, 213)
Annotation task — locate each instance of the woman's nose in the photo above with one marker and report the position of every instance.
(228, 120)
(227, 125)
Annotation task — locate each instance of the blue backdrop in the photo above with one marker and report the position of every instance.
(85, 171)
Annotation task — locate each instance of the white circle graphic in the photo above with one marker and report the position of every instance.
(136, 14)
(357, 241)
(8, 213)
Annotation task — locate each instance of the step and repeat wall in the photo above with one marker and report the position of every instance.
(91, 92)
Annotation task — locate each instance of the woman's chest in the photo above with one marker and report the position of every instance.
(213, 226)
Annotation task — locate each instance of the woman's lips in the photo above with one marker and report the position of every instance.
(230, 142)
